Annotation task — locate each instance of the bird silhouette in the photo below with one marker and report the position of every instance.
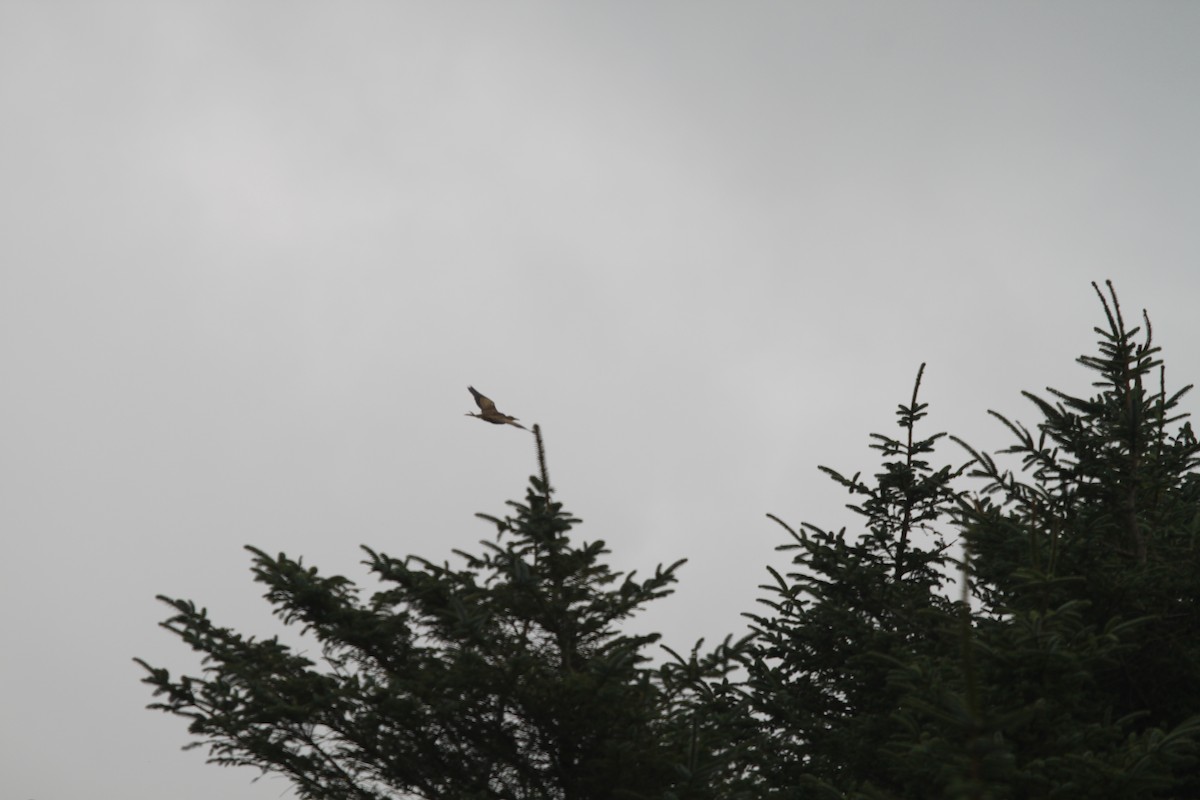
(489, 413)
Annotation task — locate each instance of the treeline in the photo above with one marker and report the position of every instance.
(988, 631)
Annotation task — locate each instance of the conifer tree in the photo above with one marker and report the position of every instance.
(506, 677)
(1111, 500)
(818, 673)
(1070, 666)
(1078, 675)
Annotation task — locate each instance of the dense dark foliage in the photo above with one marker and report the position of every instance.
(991, 631)
(840, 621)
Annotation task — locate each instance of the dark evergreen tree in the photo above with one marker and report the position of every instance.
(1080, 672)
(1070, 671)
(507, 677)
(818, 674)
(1110, 500)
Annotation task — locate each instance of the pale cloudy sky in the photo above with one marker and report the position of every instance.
(251, 254)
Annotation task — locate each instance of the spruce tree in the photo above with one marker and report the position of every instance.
(1080, 668)
(1110, 500)
(1069, 666)
(851, 607)
(505, 677)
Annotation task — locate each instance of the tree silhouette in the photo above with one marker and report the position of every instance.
(989, 631)
(504, 677)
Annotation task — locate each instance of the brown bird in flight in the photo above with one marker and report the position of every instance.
(489, 412)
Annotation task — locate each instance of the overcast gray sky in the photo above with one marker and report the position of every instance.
(251, 255)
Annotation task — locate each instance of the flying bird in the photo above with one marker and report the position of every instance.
(488, 411)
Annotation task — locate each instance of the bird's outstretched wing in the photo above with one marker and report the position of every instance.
(484, 403)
